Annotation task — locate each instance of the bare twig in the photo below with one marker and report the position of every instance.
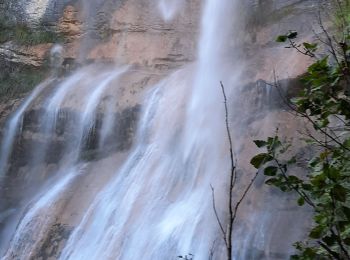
(212, 250)
(233, 179)
(304, 52)
(227, 235)
(243, 196)
(330, 41)
(216, 214)
(233, 167)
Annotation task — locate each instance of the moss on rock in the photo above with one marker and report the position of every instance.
(17, 80)
(24, 35)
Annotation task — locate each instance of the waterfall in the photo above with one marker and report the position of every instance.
(158, 204)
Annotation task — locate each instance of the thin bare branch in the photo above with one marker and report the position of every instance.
(233, 178)
(212, 250)
(216, 214)
(304, 52)
(243, 196)
(330, 41)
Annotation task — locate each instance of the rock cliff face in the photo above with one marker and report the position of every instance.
(141, 33)
(134, 32)
(123, 32)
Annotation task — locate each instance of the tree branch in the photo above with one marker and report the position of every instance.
(216, 214)
(332, 253)
(233, 179)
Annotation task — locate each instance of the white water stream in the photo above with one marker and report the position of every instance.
(14, 127)
(158, 205)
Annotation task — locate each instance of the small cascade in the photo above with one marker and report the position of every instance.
(90, 108)
(108, 122)
(38, 219)
(94, 88)
(41, 211)
(13, 127)
(169, 8)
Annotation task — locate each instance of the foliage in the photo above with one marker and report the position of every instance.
(24, 35)
(15, 81)
(326, 189)
(326, 186)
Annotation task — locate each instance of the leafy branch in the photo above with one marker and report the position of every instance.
(326, 185)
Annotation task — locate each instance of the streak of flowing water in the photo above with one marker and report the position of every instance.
(52, 107)
(169, 8)
(14, 126)
(36, 9)
(38, 219)
(107, 123)
(95, 87)
(90, 109)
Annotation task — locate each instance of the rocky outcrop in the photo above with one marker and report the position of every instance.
(69, 25)
(24, 55)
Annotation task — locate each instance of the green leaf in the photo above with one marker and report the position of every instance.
(292, 35)
(273, 181)
(347, 143)
(347, 241)
(260, 160)
(316, 232)
(301, 201)
(307, 187)
(310, 46)
(260, 143)
(339, 193)
(281, 38)
(310, 253)
(319, 181)
(270, 171)
(273, 143)
(346, 212)
(330, 240)
(334, 174)
(293, 179)
(293, 160)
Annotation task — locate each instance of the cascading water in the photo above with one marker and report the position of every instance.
(158, 203)
(38, 216)
(14, 127)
